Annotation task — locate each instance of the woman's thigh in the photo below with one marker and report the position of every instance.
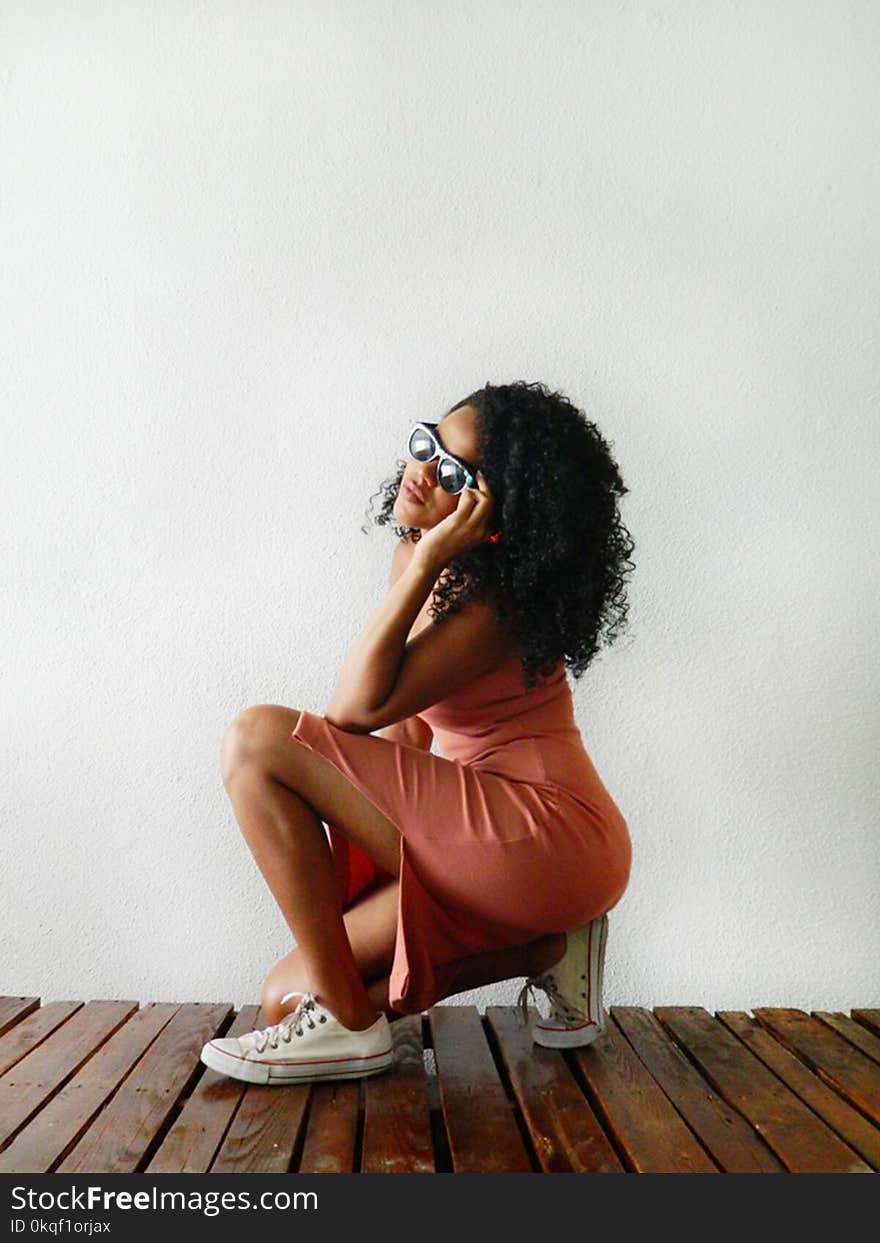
(260, 736)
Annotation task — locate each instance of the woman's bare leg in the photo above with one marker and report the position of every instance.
(280, 792)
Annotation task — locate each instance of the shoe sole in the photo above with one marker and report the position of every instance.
(567, 1037)
(268, 1074)
(555, 1036)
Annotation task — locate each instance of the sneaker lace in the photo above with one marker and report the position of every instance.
(291, 1023)
(547, 984)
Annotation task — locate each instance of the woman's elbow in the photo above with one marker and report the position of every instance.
(347, 722)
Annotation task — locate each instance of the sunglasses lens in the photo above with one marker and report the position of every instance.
(421, 446)
(451, 476)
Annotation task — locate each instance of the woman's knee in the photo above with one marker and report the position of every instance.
(250, 735)
(285, 977)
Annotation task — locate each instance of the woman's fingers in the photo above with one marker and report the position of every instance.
(481, 492)
(475, 504)
(480, 502)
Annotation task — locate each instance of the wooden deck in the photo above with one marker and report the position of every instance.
(111, 1086)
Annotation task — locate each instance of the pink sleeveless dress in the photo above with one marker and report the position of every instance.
(508, 835)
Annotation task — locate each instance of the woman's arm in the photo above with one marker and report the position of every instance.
(413, 731)
(439, 660)
(371, 665)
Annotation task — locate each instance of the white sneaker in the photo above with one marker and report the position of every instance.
(574, 987)
(308, 1044)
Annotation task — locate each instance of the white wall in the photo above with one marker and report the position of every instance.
(243, 245)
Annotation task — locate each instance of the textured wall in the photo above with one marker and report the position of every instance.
(243, 246)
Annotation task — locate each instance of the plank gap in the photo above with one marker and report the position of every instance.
(510, 1092)
(569, 1056)
(442, 1151)
(296, 1155)
(174, 1113)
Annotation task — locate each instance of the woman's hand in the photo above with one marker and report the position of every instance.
(465, 528)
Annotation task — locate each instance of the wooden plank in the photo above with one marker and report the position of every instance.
(636, 1111)
(198, 1130)
(851, 1031)
(61, 1122)
(397, 1117)
(838, 1062)
(480, 1122)
(331, 1131)
(266, 1128)
(868, 1018)
(122, 1134)
(726, 1135)
(35, 1078)
(33, 1030)
(849, 1124)
(803, 1143)
(565, 1132)
(14, 1009)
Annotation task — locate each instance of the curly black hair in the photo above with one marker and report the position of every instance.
(557, 574)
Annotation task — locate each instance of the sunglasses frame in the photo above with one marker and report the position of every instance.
(441, 453)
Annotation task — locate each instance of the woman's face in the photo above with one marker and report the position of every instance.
(457, 433)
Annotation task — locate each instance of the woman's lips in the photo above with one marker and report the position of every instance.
(412, 494)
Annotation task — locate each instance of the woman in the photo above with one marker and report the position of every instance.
(499, 858)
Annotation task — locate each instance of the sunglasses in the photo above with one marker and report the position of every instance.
(453, 474)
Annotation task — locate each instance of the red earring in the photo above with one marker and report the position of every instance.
(494, 538)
